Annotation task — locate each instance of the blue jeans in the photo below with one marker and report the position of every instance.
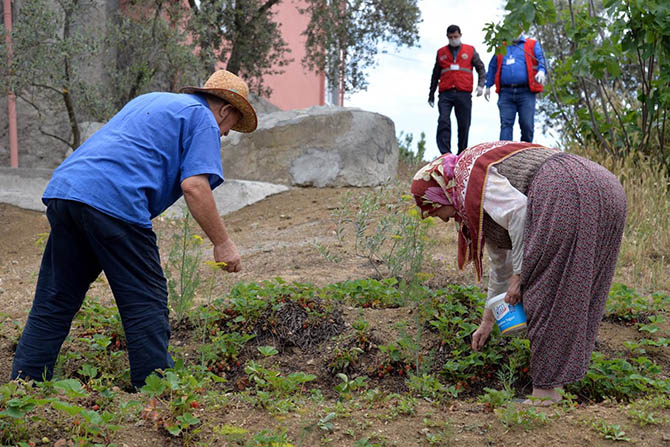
(82, 243)
(513, 100)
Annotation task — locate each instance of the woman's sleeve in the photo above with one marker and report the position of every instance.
(507, 207)
(500, 271)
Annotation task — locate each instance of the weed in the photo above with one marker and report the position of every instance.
(620, 379)
(610, 431)
(495, 398)
(526, 418)
(344, 359)
(429, 387)
(183, 262)
(348, 386)
(269, 438)
(326, 424)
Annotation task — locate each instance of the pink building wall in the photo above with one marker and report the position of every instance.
(296, 88)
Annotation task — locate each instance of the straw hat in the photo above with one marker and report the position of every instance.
(230, 87)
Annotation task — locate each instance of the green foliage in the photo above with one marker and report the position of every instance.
(527, 418)
(495, 398)
(406, 154)
(620, 379)
(368, 293)
(613, 432)
(343, 37)
(152, 50)
(244, 35)
(388, 232)
(182, 268)
(349, 386)
(269, 438)
(175, 395)
(626, 304)
(429, 387)
(608, 66)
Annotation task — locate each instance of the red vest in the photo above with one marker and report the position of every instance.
(457, 73)
(531, 67)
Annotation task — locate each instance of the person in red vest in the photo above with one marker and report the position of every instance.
(518, 77)
(453, 71)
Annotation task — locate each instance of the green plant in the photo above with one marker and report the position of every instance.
(17, 403)
(183, 262)
(610, 431)
(406, 154)
(527, 418)
(174, 397)
(325, 423)
(620, 379)
(269, 438)
(344, 359)
(428, 386)
(495, 398)
(388, 231)
(348, 386)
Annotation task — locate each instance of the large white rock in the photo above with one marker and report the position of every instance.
(23, 187)
(320, 146)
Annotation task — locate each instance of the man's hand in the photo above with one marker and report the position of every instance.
(487, 93)
(227, 252)
(514, 290)
(431, 101)
(480, 90)
(539, 77)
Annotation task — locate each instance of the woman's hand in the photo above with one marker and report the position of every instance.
(514, 290)
(481, 335)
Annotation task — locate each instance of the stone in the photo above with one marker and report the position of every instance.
(323, 146)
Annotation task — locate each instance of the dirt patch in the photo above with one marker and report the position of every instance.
(279, 237)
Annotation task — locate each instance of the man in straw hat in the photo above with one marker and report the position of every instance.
(100, 202)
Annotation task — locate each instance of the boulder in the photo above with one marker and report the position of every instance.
(319, 146)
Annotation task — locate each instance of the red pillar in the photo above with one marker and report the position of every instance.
(11, 98)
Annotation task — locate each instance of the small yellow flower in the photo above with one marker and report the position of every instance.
(216, 265)
(197, 239)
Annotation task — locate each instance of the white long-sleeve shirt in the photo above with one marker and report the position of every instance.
(507, 207)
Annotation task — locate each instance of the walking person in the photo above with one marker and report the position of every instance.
(519, 76)
(453, 72)
(552, 225)
(100, 202)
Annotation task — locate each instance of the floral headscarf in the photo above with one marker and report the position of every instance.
(433, 185)
(459, 181)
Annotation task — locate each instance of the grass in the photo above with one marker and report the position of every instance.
(645, 249)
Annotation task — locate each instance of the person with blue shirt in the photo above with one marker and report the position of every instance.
(518, 76)
(100, 202)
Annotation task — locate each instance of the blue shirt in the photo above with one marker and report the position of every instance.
(514, 64)
(132, 168)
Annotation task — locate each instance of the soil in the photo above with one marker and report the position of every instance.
(278, 237)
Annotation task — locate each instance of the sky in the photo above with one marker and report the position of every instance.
(399, 85)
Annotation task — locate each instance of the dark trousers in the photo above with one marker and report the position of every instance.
(82, 243)
(462, 103)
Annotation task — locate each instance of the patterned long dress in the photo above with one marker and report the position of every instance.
(574, 225)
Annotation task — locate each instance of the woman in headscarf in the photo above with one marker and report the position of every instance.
(552, 225)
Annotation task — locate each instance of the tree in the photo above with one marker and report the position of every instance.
(65, 61)
(243, 35)
(50, 54)
(609, 74)
(343, 36)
